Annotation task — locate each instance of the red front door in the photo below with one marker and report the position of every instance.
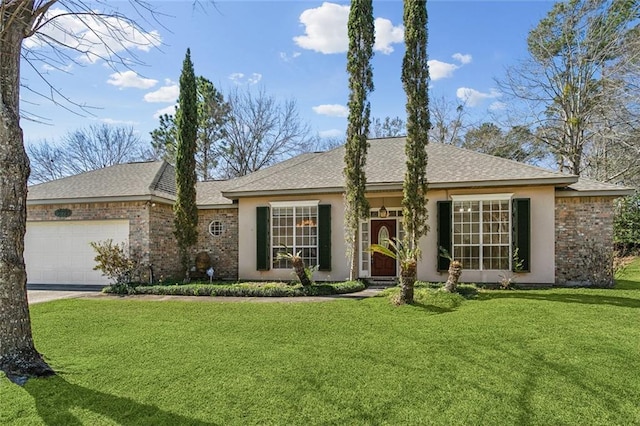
(381, 265)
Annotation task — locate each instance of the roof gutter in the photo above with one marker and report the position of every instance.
(565, 193)
(128, 198)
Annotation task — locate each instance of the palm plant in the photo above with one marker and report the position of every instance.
(297, 264)
(455, 270)
(407, 258)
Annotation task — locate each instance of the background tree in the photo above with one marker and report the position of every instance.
(572, 85)
(388, 127)
(213, 115)
(84, 150)
(47, 162)
(448, 121)
(164, 139)
(518, 143)
(626, 225)
(19, 20)
(415, 80)
(185, 210)
(360, 30)
(260, 132)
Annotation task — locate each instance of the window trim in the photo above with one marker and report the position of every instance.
(294, 205)
(304, 203)
(483, 197)
(220, 227)
(480, 198)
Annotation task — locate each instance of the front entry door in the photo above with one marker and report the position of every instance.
(381, 232)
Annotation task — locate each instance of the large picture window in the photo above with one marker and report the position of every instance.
(482, 233)
(294, 228)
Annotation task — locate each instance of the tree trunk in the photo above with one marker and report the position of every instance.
(18, 356)
(407, 282)
(298, 267)
(455, 270)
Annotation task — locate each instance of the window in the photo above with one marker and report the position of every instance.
(482, 232)
(294, 228)
(216, 228)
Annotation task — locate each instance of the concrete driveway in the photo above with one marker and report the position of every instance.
(46, 293)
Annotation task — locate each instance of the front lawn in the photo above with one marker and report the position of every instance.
(565, 356)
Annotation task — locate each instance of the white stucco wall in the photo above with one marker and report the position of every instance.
(247, 239)
(542, 262)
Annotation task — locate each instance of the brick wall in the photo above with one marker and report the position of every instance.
(584, 241)
(151, 233)
(164, 257)
(223, 248)
(136, 212)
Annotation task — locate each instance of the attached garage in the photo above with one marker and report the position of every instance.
(59, 252)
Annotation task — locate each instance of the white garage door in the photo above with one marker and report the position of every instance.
(59, 252)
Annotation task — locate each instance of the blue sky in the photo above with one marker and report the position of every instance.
(292, 50)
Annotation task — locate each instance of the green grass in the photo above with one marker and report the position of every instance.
(563, 356)
(629, 277)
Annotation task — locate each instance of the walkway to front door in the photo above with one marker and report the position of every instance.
(381, 232)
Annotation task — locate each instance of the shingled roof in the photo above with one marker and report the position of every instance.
(120, 182)
(449, 167)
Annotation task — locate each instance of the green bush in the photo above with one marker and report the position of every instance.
(429, 294)
(468, 291)
(275, 289)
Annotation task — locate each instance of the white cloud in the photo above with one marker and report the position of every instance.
(386, 35)
(439, 70)
(255, 78)
(63, 68)
(94, 37)
(121, 122)
(288, 58)
(331, 133)
(171, 110)
(332, 110)
(462, 58)
(497, 106)
(240, 78)
(164, 94)
(130, 79)
(473, 97)
(325, 30)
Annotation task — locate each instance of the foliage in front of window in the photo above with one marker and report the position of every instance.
(508, 278)
(626, 224)
(298, 266)
(360, 29)
(455, 270)
(115, 263)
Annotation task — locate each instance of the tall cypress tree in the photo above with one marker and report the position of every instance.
(361, 39)
(185, 210)
(415, 79)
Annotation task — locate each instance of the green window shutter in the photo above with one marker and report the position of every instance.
(444, 233)
(262, 239)
(521, 230)
(324, 237)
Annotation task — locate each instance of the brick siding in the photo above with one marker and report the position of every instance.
(584, 241)
(223, 249)
(151, 233)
